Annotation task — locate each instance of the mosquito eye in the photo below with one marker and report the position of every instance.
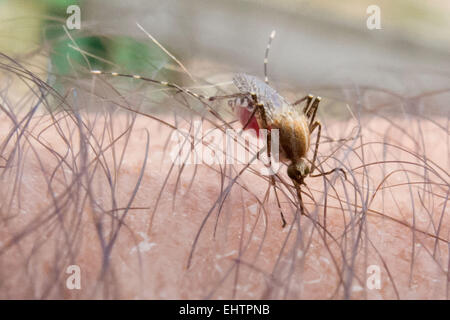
(292, 172)
(306, 170)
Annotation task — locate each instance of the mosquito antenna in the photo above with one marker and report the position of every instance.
(266, 57)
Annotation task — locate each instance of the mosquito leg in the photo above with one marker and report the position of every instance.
(249, 119)
(315, 125)
(265, 125)
(272, 178)
(308, 98)
(278, 201)
(311, 113)
(262, 113)
(199, 97)
(300, 100)
(330, 172)
(229, 96)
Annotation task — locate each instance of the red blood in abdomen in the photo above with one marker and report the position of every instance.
(244, 115)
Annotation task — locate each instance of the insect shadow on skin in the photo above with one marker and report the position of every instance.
(261, 107)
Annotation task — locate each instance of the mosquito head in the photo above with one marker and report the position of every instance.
(297, 171)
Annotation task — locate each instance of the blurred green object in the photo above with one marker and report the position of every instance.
(59, 7)
(29, 26)
(137, 57)
(119, 53)
(64, 57)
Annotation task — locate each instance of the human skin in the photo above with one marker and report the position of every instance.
(111, 201)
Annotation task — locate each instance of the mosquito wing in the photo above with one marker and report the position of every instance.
(273, 102)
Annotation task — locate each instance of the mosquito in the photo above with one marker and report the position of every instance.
(262, 107)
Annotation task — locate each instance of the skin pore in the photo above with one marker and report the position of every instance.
(100, 190)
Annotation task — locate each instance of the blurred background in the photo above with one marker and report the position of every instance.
(321, 46)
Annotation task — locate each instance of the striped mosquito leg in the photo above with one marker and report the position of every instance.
(266, 56)
(202, 98)
(163, 83)
(311, 112)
